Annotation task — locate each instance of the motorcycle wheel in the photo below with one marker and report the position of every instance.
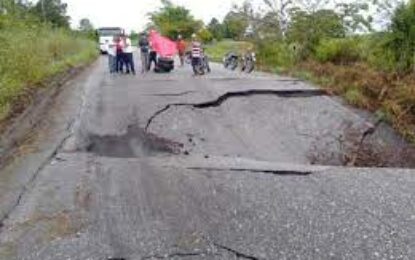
(233, 64)
(198, 70)
(225, 64)
(249, 67)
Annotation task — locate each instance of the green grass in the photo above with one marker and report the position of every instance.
(31, 53)
(217, 50)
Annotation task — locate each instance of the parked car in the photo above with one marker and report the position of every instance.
(164, 64)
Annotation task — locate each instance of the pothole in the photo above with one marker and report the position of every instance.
(134, 143)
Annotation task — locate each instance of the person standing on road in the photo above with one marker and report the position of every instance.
(119, 55)
(196, 53)
(112, 53)
(152, 58)
(128, 55)
(144, 52)
(181, 47)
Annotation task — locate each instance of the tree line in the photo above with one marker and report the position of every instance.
(51, 12)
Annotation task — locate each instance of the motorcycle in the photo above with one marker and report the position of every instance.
(231, 60)
(248, 62)
(201, 67)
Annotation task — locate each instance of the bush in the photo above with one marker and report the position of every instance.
(339, 51)
(379, 56)
(276, 54)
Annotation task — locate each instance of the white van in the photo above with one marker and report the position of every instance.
(106, 35)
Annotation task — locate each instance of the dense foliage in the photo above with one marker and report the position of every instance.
(172, 20)
(33, 50)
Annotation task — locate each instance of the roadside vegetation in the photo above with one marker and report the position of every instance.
(37, 45)
(217, 50)
(361, 50)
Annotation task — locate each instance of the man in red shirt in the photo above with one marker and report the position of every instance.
(119, 55)
(181, 47)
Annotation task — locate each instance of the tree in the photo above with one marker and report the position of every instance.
(205, 35)
(53, 11)
(268, 27)
(280, 9)
(309, 28)
(172, 20)
(85, 25)
(385, 10)
(15, 7)
(402, 36)
(235, 24)
(354, 16)
(216, 29)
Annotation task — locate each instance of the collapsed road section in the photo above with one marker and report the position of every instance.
(292, 93)
(224, 171)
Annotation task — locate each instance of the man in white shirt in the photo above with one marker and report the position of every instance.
(112, 53)
(128, 54)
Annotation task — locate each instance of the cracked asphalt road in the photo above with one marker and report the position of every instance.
(174, 167)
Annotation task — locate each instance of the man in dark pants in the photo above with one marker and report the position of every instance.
(196, 54)
(152, 58)
(128, 55)
(119, 60)
(144, 52)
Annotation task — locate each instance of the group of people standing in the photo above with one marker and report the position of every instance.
(120, 55)
(120, 52)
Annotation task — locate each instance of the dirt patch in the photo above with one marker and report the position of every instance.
(59, 225)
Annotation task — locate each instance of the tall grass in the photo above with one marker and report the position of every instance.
(30, 52)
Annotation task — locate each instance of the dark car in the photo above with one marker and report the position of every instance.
(164, 64)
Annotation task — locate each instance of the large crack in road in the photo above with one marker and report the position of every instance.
(293, 93)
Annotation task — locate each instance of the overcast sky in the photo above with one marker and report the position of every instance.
(132, 14)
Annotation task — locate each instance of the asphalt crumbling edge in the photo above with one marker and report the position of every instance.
(367, 133)
(286, 93)
(26, 186)
(68, 133)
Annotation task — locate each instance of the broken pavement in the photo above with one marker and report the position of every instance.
(224, 171)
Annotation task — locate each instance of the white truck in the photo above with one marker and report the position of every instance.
(106, 35)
